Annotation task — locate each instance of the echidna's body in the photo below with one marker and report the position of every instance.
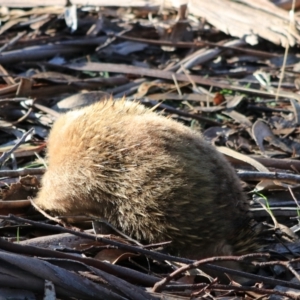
(150, 176)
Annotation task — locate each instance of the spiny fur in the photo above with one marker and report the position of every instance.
(150, 176)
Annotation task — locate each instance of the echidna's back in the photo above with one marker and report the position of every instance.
(150, 176)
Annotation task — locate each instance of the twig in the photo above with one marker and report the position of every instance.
(22, 172)
(153, 254)
(160, 256)
(179, 112)
(221, 287)
(257, 176)
(159, 285)
(5, 155)
(198, 44)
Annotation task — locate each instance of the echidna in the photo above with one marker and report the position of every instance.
(148, 175)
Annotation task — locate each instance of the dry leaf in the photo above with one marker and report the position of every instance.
(114, 255)
(26, 187)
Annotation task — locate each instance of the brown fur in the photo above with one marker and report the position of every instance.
(148, 175)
